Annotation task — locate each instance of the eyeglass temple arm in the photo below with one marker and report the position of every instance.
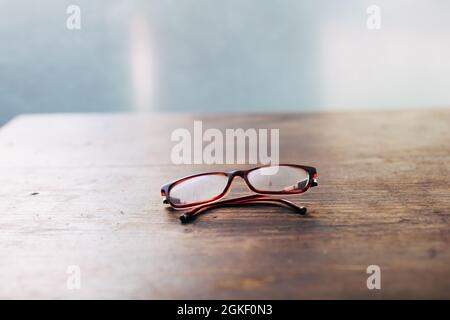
(190, 214)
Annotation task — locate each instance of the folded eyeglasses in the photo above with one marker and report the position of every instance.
(200, 192)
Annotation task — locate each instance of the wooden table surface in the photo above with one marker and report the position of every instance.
(85, 190)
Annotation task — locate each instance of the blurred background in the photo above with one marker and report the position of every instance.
(220, 56)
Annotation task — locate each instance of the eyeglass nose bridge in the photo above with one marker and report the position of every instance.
(236, 173)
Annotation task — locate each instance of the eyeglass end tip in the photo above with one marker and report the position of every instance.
(184, 218)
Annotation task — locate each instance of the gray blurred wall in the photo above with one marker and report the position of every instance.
(211, 55)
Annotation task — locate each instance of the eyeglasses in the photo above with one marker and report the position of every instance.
(203, 191)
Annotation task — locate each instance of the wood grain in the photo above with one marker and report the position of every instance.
(83, 189)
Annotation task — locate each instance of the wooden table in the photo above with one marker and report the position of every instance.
(85, 190)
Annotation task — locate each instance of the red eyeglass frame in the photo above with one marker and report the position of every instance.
(165, 189)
